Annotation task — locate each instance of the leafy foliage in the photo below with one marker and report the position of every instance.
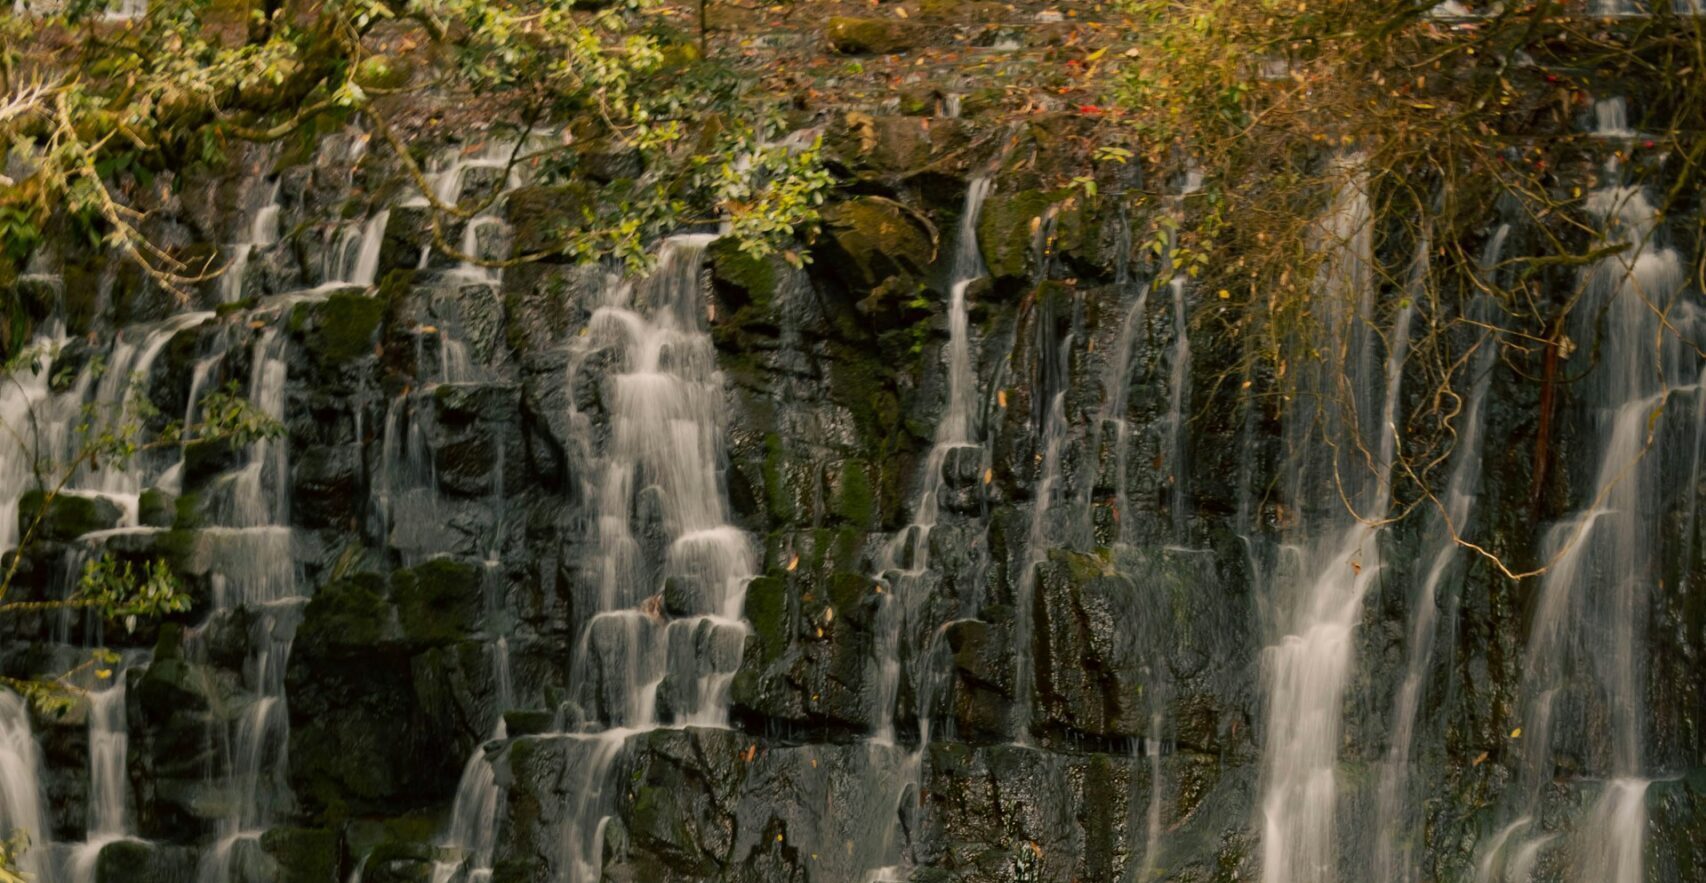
(99, 108)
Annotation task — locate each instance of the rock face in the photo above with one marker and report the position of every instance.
(474, 646)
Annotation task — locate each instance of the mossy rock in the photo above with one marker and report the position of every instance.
(962, 12)
(854, 497)
(68, 516)
(304, 855)
(140, 861)
(398, 862)
(383, 72)
(157, 508)
(740, 277)
(870, 240)
(339, 329)
(1007, 232)
(541, 216)
(871, 36)
(208, 457)
(350, 613)
(527, 722)
(438, 602)
(766, 607)
(885, 144)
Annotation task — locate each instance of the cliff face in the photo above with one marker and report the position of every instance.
(964, 552)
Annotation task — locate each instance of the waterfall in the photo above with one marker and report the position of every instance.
(904, 560)
(906, 557)
(115, 406)
(262, 232)
(109, 777)
(472, 836)
(1178, 396)
(367, 257)
(1116, 399)
(642, 664)
(23, 396)
(254, 567)
(1395, 820)
(1036, 551)
(1318, 605)
(1593, 595)
(21, 806)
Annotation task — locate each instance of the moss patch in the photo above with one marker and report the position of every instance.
(437, 602)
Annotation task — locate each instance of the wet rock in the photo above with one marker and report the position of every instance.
(1085, 662)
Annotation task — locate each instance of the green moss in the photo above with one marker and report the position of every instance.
(437, 602)
(1006, 232)
(767, 609)
(382, 72)
(68, 516)
(871, 240)
(847, 591)
(740, 277)
(855, 501)
(156, 508)
(304, 855)
(340, 328)
(351, 612)
(777, 487)
(541, 216)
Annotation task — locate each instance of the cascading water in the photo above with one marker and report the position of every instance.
(262, 233)
(642, 662)
(905, 558)
(1178, 398)
(109, 777)
(1587, 625)
(1318, 596)
(21, 810)
(253, 565)
(1394, 848)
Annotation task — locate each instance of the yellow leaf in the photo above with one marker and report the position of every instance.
(793, 563)
(1225, 295)
(104, 673)
(988, 476)
(1001, 397)
(1479, 759)
(1516, 733)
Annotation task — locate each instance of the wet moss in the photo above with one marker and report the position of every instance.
(351, 612)
(340, 328)
(740, 277)
(304, 855)
(437, 602)
(156, 508)
(766, 609)
(67, 516)
(855, 501)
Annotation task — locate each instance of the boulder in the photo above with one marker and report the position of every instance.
(871, 36)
